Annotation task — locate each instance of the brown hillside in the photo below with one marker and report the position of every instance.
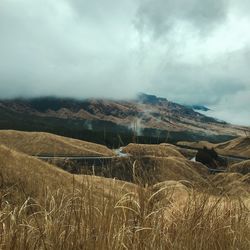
(241, 167)
(39, 143)
(152, 170)
(25, 176)
(158, 163)
(171, 218)
(199, 144)
(237, 147)
(232, 183)
(162, 150)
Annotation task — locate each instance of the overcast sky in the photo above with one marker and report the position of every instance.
(189, 51)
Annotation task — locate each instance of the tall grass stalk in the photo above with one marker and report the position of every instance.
(83, 219)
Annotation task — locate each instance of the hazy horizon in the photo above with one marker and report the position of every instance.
(190, 52)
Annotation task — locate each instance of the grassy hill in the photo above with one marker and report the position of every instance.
(236, 147)
(241, 167)
(44, 207)
(163, 150)
(30, 177)
(39, 143)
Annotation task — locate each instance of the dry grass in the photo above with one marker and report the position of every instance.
(43, 207)
(151, 170)
(131, 221)
(19, 171)
(40, 143)
(237, 147)
(162, 150)
(232, 183)
(241, 167)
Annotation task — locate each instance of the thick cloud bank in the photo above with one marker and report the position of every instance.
(190, 51)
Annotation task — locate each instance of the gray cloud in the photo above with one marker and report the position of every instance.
(206, 83)
(188, 51)
(47, 48)
(160, 16)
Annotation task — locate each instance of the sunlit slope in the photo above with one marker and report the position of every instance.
(162, 150)
(39, 143)
(237, 147)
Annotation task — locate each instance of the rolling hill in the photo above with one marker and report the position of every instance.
(39, 143)
(236, 147)
(44, 207)
(163, 150)
(241, 167)
(24, 176)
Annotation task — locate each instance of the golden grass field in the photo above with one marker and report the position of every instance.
(44, 207)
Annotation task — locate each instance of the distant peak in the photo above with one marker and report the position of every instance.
(150, 99)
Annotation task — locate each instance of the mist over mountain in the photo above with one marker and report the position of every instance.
(115, 122)
(195, 53)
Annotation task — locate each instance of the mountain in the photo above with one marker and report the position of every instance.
(147, 118)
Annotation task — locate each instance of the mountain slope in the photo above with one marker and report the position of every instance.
(146, 116)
